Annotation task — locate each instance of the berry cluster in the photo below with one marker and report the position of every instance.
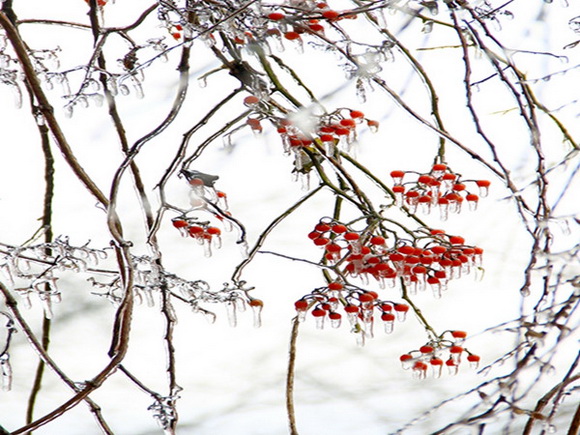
(202, 232)
(437, 353)
(203, 196)
(358, 305)
(431, 258)
(313, 18)
(440, 188)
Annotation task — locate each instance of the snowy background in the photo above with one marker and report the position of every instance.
(233, 379)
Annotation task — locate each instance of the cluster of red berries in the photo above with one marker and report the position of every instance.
(358, 305)
(202, 232)
(176, 31)
(438, 353)
(205, 197)
(312, 20)
(440, 258)
(440, 188)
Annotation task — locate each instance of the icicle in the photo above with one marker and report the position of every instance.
(301, 315)
(305, 181)
(206, 247)
(5, 372)
(437, 288)
(444, 211)
(335, 320)
(437, 368)
(368, 328)
(46, 303)
(419, 370)
(320, 321)
(360, 338)
(401, 314)
(407, 361)
(149, 297)
(352, 314)
(209, 316)
(17, 95)
(124, 90)
(473, 364)
(232, 315)
(389, 324)
(257, 307)
(244, 249)
(452, 367)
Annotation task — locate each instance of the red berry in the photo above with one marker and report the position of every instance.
(348, 123)
(326, 138)
(473, 358)
(455, 349)
(397, 174)
(459, 334)
(399, 189)
(314, 235)
(436, 362)
(406, 249)
(321, 241)
(301, 305)
(356, 114)
(483, 183)
(456, 240)
(472, 197)
(439, 167)
(335, 286)
(395, 257)
(377, 240)
(179, 223)
(420, 365)
(251, 99)
(351, 236)
(388, 317)
(316, 27)
(322, 227)
(195, 230)
(405, 357)
(441, 274)
(291, 36)
(318, 312)
(330, 14)
(333, 247)
(351, 308)
(458, 187)
(254, 123)
(255, 303)
(425, 179)
(401, 308)
(339, 229)
(366, 297)
(276, 16)
(426, 349)
(433, 280)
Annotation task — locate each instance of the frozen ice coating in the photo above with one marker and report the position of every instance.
(303, 217)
